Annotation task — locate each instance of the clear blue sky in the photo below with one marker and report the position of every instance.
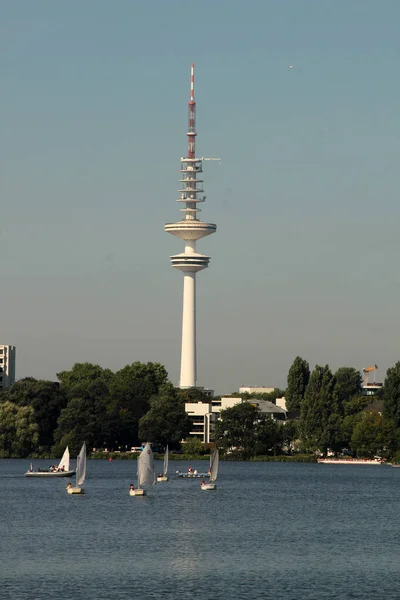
(94, 110)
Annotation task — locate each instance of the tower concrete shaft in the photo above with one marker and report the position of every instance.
(190, 229)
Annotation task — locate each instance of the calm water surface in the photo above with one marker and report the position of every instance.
(272, 531)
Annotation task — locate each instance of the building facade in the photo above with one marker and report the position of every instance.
(202, 418)
(7, 366)
(204, 415)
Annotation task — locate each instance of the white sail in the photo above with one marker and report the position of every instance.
(166, 462)
(146, 473)
(214, 465)
(64, 461)
(81, 466)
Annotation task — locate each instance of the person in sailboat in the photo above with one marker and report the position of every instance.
(160, 475)
(203, 482)
(69, 486)
(131, 487)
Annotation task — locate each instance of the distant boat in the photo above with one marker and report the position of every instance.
(213, 472)
(62, 469)
(192, 474)
(145, 472)
(164, 477)
(80, 473)
(350, 461)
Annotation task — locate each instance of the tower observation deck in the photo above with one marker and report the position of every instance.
(190, 229)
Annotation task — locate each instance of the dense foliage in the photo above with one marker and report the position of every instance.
(118, 410)
(297, 381)
(88, 403)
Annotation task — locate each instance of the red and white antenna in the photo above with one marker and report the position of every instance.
(190, 229)
(192, 118)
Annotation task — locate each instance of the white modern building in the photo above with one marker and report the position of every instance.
(190, 230)
(7, 365)
(204, 415)
(202, 418)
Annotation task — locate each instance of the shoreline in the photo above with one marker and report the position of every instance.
(299, 458)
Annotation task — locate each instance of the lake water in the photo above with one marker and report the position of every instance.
(276, 531)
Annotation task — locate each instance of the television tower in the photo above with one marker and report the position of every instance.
(190, 229)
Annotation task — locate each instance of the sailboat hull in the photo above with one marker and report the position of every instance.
(209, 486)
(192, 475)
(163, 478)
(137, 493)
(49, 473)
(75, 490)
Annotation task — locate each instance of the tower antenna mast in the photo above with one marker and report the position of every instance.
(190, 229)
(192, 118)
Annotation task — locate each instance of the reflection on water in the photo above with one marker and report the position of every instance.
(273, 531)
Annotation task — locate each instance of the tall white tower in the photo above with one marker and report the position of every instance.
(190, 230)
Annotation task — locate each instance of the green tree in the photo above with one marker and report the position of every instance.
(289, 434)
(130, 393)
(368, 435)
(237, 428)
(47, 400)
(129, 402)
(355, 405)
(84, 373)
(194, 446)
(86, 418)
(391, 395)
(348, 383)
(166, 422)
(18, 430)
(297, 381)
(348, 424)
(391, 435)
(269, 437)
(154, 373)
(320, 419)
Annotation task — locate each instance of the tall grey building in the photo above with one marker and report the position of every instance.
(7, 366)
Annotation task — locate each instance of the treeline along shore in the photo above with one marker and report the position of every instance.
(116, 411)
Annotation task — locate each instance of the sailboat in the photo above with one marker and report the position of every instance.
(163, 477)
(146, 474)
(62, 469)
(80, 473)
(213, 472)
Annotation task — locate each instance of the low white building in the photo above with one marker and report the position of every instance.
(7, 366)
(256, 390)
(205, 414)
